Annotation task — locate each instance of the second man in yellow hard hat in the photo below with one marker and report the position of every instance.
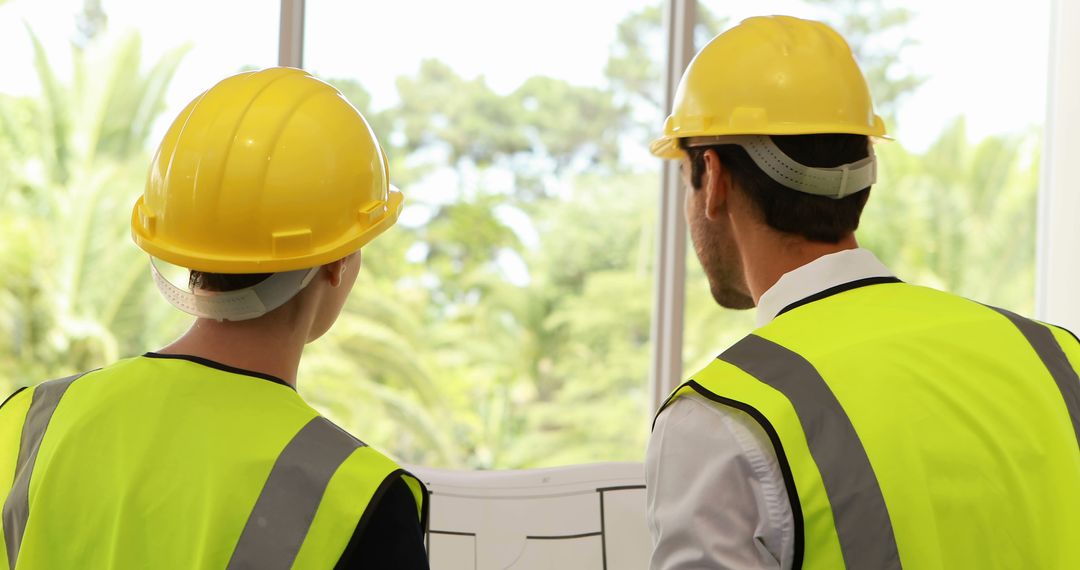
(866, 423)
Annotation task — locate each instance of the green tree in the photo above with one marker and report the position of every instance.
(465, 118)
(72, 159)
(961, 215)
(568, 123)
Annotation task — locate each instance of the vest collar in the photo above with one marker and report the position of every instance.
(828, 275)
(219, 366)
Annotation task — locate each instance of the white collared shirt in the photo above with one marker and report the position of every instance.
(716, 495)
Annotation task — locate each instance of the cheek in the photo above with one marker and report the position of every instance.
(348, 281)
(351, 273)
(714, 245)
(694, 204)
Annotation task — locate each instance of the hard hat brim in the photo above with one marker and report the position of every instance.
(209, 262)
(667, 148)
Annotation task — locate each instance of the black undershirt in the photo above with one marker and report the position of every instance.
(392, 538)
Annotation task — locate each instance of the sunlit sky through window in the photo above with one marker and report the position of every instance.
(989, 65)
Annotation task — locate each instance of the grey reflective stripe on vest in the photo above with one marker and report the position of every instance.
(861, 517)
(17, 506)
(1053, 357)
(286, 506)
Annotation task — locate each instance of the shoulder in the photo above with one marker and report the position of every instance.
(697, 428)
(688, 405)
(1063, 335)
(394, 504)
(390, 534)
(17, 396)
(699, 386)
(25, 394)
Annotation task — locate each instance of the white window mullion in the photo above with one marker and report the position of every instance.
(1058, 257)
(670, 270)
(291, 34)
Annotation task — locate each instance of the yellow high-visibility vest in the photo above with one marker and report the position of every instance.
(164, 462)
(915, 429)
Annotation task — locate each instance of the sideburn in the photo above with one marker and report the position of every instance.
(716, 249)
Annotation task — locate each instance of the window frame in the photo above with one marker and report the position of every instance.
(1058, 235)
(669, 302)
(291, 33)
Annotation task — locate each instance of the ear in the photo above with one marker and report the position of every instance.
(335, 271)
(716, 184)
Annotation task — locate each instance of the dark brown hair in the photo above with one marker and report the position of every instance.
(222, 282)
(816, 218)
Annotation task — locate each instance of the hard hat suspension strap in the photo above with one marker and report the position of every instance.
(836, 182)
(240, 305)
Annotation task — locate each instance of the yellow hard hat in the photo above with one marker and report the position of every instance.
(268, 171)
(774, 75)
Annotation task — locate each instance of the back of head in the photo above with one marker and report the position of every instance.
(260, 179)
(808, 216)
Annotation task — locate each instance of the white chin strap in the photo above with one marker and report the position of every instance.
(837, 182)
(240, 305)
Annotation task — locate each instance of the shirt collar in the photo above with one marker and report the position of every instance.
(817, 276)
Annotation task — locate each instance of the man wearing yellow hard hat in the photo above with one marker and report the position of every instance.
(202, 454)
(866, 423)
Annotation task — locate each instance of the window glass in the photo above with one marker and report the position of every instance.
(505, 322)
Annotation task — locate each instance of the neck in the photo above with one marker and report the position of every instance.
(767, 255)
(269, 345)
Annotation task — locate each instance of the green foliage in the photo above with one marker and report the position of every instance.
(960, 216)
(73, 294)
(441, 109)
(567, 122)
(492, 367)
(633, 67)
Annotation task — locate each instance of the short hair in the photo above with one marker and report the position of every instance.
(223, 282)
(816, 218)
